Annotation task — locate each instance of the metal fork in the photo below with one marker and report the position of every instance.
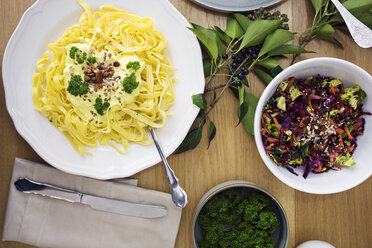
(179, 196)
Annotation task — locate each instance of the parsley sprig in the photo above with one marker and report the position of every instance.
(75, 53)
(135, 65)
(101, 106)
(130, 83)
(77, 87)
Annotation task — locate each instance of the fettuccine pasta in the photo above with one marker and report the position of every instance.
(106, 79)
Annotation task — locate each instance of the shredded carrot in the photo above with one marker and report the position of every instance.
(335, 154)
(361, 133)
(341, 141)
(348, 132)
(339, 167)
(357, 124)
(263, 124)
(342, 89)
(290, 83)
(348, 149)
(332, 122)
(340, 131)
(333, 90)
(276, 123)
(318, 168)
(272, 140)
(311, 106)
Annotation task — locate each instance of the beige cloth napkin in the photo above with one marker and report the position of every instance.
(47, 222)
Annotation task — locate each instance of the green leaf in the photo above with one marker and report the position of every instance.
(242, 20)
(243, 110)
(287, 49)
(356, 7)
(317, 5)
(222, 35)
(233, 28)
(213, 98)
(366, 18)
(275, 71)
(263, 75)
(245, 81)
(221, 48)
(243, 106)
(199, 101)
(207, 67)
(274, 40)
(330, 39)
(212, 133)
(268, 63)
(191, 140)
(208, 38)
(257, 32)
(326, 30)
(248, 119)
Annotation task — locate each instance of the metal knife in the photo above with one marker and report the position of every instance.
(27, 185)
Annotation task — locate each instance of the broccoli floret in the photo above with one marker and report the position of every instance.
(214, 232)
(268, 221)
(205, 244)
(259, 201)
(261, 239)
(217, 205)
(251, 214)
(134, 65)
(91, 60)
(130, 83)
(234, 195)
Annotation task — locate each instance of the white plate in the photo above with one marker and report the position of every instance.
(44, 23)
(235, 5)
(331, 181)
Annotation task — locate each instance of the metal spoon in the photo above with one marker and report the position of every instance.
(361, 34)
(179, 196)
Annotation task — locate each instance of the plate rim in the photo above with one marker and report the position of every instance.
(218, 8)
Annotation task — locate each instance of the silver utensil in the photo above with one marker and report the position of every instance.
(361, 34)
(105, 204)
(179, 196)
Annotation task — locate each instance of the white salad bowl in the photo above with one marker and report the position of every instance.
(332, 181)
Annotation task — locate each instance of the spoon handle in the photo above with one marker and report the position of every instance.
(172, 179)
(178, 194)
(361, 34)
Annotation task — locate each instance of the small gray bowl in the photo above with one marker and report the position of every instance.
(281, 233)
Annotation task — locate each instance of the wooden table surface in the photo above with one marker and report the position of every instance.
(343, 219)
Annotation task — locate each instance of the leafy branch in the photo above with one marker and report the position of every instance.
(327, 18)
(249, 43)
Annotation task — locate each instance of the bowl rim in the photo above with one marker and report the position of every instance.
(257, 123)
(231, 184)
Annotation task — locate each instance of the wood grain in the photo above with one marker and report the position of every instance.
(343, 219)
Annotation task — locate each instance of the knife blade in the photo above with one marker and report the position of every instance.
(28, 186)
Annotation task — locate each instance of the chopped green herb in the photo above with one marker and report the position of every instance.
(80, 57)
(231, 220)
(73, 52)
(77, 87)
(134, 65)
(91, 59)
(130, 83)
(100, 106)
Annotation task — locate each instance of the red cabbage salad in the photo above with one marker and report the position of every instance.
(313, 123)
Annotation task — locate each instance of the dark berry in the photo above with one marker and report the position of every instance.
(234, 65)
(233, 56)
(245, 71)
(238, 83)
(244, 50)
(224, 56)
(238, 60)
(241, 75)
(256, 49)
(249, 51)
(254, 55)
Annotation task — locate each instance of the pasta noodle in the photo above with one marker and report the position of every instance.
(112, 41)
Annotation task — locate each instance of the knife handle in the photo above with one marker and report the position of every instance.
(27, 185)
